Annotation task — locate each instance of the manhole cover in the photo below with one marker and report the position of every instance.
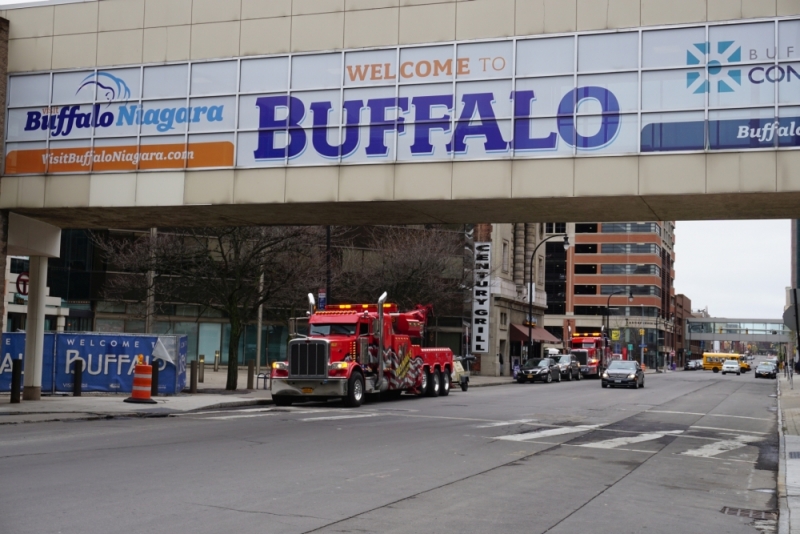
(752, 514)
(794, 455)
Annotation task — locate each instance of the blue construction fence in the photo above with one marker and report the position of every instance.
(108, 360)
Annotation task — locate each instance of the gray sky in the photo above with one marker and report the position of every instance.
(736, 268)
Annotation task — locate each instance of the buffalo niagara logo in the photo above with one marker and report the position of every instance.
(108, 86)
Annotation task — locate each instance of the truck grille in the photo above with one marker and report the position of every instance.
(308, 359)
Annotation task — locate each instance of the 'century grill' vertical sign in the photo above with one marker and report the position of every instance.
(480, 298)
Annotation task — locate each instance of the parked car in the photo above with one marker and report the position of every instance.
(569, 366)
(731, 366)
(766, 370)
(693, 365)
(623, 373)
(541, 369)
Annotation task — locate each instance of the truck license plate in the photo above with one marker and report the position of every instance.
(584, 369)
(307, 391)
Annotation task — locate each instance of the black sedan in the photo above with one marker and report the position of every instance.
(570, 368)
(623, 373)
(541, 369)
(766, 370)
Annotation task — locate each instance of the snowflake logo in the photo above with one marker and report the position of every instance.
(723, 79)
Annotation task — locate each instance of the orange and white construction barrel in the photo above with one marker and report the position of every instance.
(142, 380)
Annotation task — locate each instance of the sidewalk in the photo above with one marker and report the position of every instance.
(788, 468)
(211, 394)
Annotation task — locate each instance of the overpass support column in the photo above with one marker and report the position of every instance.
(39, 241)
(34, 329)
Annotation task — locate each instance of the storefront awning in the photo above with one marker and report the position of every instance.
(520, 333)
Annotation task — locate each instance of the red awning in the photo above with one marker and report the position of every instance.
(520, 333)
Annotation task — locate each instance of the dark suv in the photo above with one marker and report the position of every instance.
(569, 366)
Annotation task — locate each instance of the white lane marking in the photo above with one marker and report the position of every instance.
(506, 423)
(718, 447)
(710, 415)
(618, 442)
(720, 459)
(240, 416)
(547, 433)
(730, 430)
(337, 417)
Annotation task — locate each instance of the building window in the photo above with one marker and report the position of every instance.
(631, 228)
(540, 272)
(586, 249)
(612, 268)
(20, 265)
(586, 268)
(555, 228)
(505, 256)
(584, 289)
(503, 319)
(634, 290)
(586, 228)
(623, 311)
(628, 248)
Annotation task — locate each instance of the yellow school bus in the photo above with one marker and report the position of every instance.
(744, 365)
(712, 361)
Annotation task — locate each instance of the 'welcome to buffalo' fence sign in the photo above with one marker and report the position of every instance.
(108, 360)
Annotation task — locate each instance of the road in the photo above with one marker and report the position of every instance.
(556, 458)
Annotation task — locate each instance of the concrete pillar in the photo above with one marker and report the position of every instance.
(61, 323)
(34, 329)
(39, 241)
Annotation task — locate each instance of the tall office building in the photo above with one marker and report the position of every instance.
(617, 277)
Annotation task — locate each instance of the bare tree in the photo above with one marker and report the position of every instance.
(218, 268)
(414, 265)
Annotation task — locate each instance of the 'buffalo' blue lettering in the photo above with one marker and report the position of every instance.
(379, 125)
(609, 119)
(522, 125)
(486, 127)
(425, 123)
(269, 124)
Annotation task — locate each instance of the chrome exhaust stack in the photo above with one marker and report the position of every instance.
(379, 381)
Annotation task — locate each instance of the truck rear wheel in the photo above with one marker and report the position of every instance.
(434, 384)
(445, 391)
(355, 391)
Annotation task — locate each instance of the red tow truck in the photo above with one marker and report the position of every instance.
(357, 349)
(592, 353)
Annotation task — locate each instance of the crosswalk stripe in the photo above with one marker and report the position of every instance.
(507, 423)
(718, 447)
(337, 417)
(240, 416)
(548, 433)
(618, 442)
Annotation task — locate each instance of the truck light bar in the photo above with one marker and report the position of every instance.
(362, 307)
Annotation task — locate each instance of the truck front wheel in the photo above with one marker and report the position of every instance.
(281, 400)
(355, 391)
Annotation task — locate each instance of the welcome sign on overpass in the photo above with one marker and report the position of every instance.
(709, 87)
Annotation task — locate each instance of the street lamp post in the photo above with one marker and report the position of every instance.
(530, 285)
(608, 310)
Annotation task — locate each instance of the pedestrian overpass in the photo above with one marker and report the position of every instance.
(488, 112)
(736, 335)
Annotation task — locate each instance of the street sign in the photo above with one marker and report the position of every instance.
(23, 279)
(615, 335)
(641, 331)
(642, 346)
(322, 299)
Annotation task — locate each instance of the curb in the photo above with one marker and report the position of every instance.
(784, 514)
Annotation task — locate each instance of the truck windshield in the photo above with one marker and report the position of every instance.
(333, 329)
